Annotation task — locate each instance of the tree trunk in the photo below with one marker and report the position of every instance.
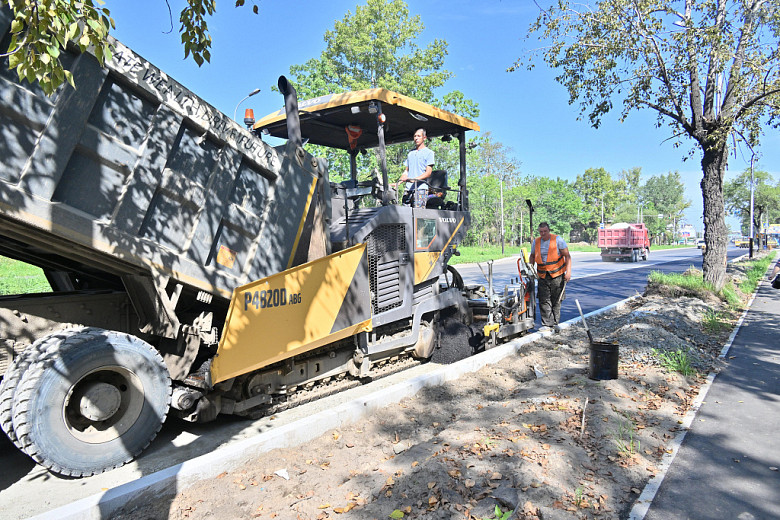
(715, 233)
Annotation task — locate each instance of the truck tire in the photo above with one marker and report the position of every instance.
(8, 390)
(92, 401)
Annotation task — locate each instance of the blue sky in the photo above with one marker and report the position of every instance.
(527, 111)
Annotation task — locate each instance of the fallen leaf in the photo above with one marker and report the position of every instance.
(431, 485)
(415, 464)
(323, 506)
(389, 481)
(397, 514)
(454, 473)
(221, 475)
(432, 500)
(349, 445)
(496, 476)
(336, 436)
(469, 483)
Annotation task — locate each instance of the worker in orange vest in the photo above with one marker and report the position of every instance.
(553, 265)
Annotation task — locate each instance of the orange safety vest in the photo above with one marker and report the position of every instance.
(553, 267)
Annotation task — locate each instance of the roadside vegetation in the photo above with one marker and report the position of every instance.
(735, 293)
(21, 278)
(472, 254)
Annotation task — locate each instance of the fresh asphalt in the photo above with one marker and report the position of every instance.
(727, 466)
(594, 283)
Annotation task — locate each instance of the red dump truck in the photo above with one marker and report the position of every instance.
(624, 241)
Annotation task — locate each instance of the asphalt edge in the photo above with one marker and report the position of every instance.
(645, 500)
(172, 480)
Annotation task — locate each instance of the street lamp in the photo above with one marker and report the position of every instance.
(255, 91)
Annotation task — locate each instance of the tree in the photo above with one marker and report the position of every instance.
(663, 195)
(377, 46)
(491, 164)
(766, 199)
(710, 70)
(600, 196)
(556, 203)
(41, 30)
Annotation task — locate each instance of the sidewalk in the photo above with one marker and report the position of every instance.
(727, 466)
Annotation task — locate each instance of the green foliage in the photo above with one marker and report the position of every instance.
(708, 71)
(579, 496)
(625, 439)
(755, 273)
(556, 203)
(21, 278)
(195, 35)
(378, 46)
(714, 321)
(663, 195)
(41, 30)
(675, 361)
(694, 284)
(766, 199)
(498, 514)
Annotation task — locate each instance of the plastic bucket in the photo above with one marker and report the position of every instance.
(603, 361)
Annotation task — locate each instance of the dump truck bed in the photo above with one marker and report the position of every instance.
(133, 174)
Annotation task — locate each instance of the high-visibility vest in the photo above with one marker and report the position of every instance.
(553, 267)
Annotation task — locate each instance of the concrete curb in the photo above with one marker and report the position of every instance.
(177, 478)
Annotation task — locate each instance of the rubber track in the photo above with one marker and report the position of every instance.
(49, 352)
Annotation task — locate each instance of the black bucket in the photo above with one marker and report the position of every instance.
(603, 361)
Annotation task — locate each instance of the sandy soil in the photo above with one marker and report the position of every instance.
(533, 434)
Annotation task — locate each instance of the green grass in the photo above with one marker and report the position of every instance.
(695, 284)
(472, 254)
(755, 273)
(626, 439)
(20, 278)
(675, 361)
(715, 322)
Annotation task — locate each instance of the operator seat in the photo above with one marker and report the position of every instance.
(437, 189)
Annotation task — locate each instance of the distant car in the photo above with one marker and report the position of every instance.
(700, 243)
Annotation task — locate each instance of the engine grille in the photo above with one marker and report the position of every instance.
(385, 268)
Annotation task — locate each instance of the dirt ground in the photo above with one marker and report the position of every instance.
(533, 434)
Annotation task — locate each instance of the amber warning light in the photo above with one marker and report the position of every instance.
(249, 117)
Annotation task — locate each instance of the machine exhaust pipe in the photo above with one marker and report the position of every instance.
(291, 109)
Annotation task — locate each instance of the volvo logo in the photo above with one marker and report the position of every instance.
(450, 220)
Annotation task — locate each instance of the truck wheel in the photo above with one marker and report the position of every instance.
(91, 402)
(8, 390)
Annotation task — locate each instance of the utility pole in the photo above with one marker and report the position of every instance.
(501, 187)
(750, 241)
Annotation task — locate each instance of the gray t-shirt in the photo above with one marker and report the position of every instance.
(545, 246)
(417, 161)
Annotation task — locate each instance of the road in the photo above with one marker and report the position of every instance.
(27, 489)
(597, 284)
